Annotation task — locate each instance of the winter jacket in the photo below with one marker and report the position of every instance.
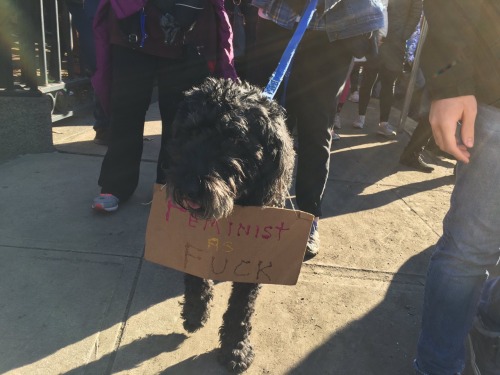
(461, 54)
(122, 9)
(403, 17)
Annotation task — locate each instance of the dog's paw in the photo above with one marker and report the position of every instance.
(196, 304)
(237, 359)
(193, 325)
(194, 318)
(195, 315)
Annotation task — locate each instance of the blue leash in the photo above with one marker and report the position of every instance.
(286, 59)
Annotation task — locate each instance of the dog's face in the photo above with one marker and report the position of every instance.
(229, 146)
(205, 174)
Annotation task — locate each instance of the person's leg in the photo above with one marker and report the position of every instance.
(489, 306)
(313, 89)
(420, 137)
(355, 77)
(101, 124)
(175, 77)
(312, 92)
(469, 246)
(133, 75)
(484, 337)
(387, 82)
(415, 106)
(336, 111)
(411, 155)
(370, 74)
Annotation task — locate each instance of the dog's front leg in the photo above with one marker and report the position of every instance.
(236, 352)
(196, 306)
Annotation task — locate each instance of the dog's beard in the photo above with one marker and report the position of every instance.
(213, 199)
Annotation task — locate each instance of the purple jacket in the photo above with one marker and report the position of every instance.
(101, 80)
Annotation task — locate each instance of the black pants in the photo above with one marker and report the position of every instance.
(134, 75)
(356, 76)
(317, 78)
(371, 72)
(419, 139)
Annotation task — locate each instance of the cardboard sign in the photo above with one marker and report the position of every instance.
(254, 244)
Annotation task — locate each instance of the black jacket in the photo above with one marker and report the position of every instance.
(461, 54)
(403, 17)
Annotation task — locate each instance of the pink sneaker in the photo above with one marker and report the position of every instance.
(105, 203)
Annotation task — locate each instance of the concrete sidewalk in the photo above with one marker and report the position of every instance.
(77, 298)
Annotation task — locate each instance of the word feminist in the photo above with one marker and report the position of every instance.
(229, 228)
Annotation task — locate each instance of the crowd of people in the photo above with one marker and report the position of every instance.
(177, 45)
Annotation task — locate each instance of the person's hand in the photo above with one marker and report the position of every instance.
(444, 116)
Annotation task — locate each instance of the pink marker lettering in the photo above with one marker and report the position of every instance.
(170, 205)
(280, 229)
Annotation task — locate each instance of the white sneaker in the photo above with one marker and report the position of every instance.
(354, 97)
(386, 130)
(336, 122)
(359, 123)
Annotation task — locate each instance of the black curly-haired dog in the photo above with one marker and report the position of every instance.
(229, 145)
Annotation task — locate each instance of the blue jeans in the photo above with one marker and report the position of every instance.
(467, 251)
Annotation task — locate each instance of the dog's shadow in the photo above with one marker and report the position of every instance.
(132, 354)
(192, 365)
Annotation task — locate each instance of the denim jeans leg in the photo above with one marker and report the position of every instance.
(470, 245)
(489, 306)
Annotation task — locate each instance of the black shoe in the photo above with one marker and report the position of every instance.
(101, 136)
(312, 248)
(415, 161)
(484, 347)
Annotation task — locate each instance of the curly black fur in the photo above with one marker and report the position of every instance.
(196, 306)
(229, 145)
(236, 352)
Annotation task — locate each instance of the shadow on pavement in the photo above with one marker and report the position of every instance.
(134, 353)
(384, 340)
